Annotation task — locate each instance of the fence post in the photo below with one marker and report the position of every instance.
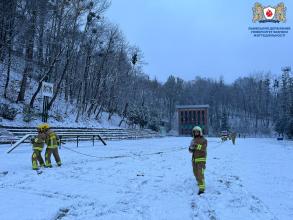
(101, 140)
(60, 142)
(76, 141)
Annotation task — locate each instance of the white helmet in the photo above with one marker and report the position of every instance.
(197, 128)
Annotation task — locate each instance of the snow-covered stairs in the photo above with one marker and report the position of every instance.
(105, 133)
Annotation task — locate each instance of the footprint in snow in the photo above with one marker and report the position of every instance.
(144, 182)
(3, 173)
(61, 213)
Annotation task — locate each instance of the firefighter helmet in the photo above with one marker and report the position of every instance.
(43, 127)
(197, 128)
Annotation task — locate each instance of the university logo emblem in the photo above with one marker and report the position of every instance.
(269, 13)
(263, 14)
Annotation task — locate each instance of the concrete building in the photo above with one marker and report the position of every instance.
(190, 116)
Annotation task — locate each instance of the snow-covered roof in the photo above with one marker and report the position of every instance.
(191, 106)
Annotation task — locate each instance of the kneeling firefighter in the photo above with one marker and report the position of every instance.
(198, 148)
(38, 145)
(52, 141)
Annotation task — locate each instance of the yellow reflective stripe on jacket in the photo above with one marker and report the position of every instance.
(38, 146)
(199, 146)
(52, 141)
(201, 159)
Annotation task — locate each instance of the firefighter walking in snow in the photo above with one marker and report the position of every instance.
(233, 136)
(52, 142)
(198, 148)
(38, 145)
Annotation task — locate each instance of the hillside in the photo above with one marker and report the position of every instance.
(62, 114)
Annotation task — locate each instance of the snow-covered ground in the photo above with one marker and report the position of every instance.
(66, 110)
(151, 179)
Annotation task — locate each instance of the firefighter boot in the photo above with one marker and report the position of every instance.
(200, 192)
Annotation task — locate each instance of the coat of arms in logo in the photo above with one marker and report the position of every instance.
(269, 14)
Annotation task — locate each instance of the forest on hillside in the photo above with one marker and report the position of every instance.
(72, 44)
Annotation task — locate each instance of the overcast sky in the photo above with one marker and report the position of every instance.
(208, 38)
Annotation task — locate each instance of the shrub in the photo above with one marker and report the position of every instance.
(7, 112)
(28, 113)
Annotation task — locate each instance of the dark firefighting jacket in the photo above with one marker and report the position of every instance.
(198, 148)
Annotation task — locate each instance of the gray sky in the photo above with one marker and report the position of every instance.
(207, 38)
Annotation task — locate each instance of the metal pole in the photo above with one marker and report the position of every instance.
(101, 140)
(43, 113)
(60, 142)
(76, 141)
(46, 110)
(93, 140)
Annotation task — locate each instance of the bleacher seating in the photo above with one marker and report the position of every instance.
(105, 133)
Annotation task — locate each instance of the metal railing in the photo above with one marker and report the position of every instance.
(21, 135)
(62, 137)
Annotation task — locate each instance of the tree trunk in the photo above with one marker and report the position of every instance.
(78, 104)
(9, 45)
(3, 29)
(8, 71)
(124, 114)
(101, 68)
(59, 85)
(85, 80)
(100, 110)
(43, 8)
(29, 52)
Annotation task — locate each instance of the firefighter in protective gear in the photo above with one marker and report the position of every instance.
(52, 142)
(233, 137)
(38, 145)
(198, 148)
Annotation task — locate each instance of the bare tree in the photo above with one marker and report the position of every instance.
(29, 52)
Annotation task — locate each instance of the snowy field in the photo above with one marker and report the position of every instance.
(151, 179)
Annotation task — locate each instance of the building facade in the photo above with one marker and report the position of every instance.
(190, 116)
